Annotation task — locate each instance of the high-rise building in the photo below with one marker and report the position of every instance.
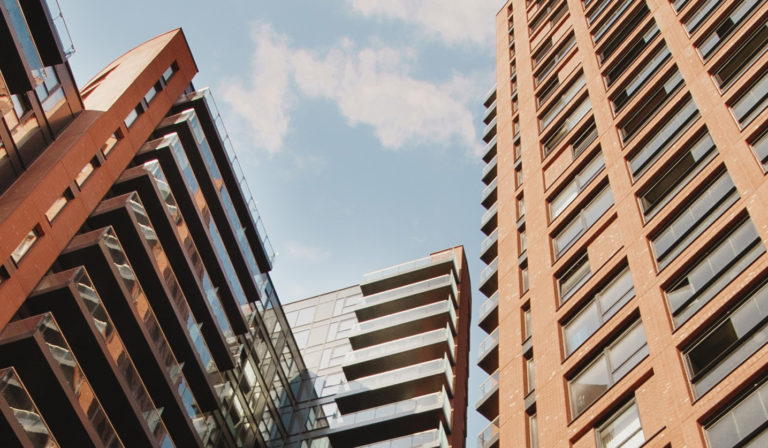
(626, 223)
(389, 357)
(136, 306)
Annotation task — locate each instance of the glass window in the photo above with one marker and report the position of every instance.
(760, 147)
(533, 431)
(622, 430)
(572, 189)
(530, 384)
(700, 14)
(630, 54)
(605, 303)
(567, 125)
(563, 99)
(597, 10)
(85, 173)
(152, 93)
(580, 223)
(607, 24)
(526, 323)
(728, 343)
(168, 73)
(673, 178)
(715, 269)
(544, 93)
(576, 275)
(612, 44)
(621, 98)
(558, 56)
(524, 278)
(742, 57)
(26, 243)
(752, 102)
(744, 423)
(663, 137)
(611, 365)
(694, 219)
(739, 14)
(133, 115)
(58, 205)
(656, 99)
(542, 51)
(112, 140)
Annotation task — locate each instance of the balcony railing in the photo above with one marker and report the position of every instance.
(61, 27)
(490, 149)
(489, 167)
(490, 97)
(490, 213)
(489, 271)
(490, 131)
(413, 314)
(490, 113)
(488, 387)
(402, 375)
(489, 436)
(24, 410)
(434, 438)
(488, 306)
(488, 190)
(402, 345)
(409, 266)
(412, 406)
(488, 344)
(411, 290)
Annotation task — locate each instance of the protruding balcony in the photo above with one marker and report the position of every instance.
(488, 318)
(489, 194)
(490, 131)
(23, 424)
(489, 278)
(407, 297)
(405, 323)
(414, 271)
(489, 170)
(399, 353)
(488, 404)
(434, 438)
(391, 420)
(490, 150)
(489, 436)
(490, 113)
(489, 221)
(490, 97)
(395, 385)
(488, 352)
(489, 248)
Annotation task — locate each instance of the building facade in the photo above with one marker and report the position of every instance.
(136, 306)
(389, 357)
(626, 223)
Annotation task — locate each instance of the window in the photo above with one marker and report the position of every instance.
(694, 219)
(108, 145)
(742, 57)
(662, 138)
(542, 51)
(86, 172)
(728, 258)
(169, 72)
(563, 99)
(611, 365)
(728, 343)
(526, 323)
(152, 93)
(626, 28)
(600, 30)
(752, 102)
(530, 383)
(522, 242)
(622, 430)
(520, 207)
(656, 99)
(533, 431)
(584, 138)
(559, 55)
(577, 273)
(700, 14)
(26, 243)
(571, 190)
(543, 94)
(673, 178)
(58, 205)
(727, 26)
(524, 278)
(630, 54)
(596, 11)
(679, 4)
(567, 125)
(744, 423)
(605, 303)
(621, 98)
(49, 92)
(133, 115)
(760, 147)
(580, 223)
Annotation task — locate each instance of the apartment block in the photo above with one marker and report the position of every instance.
(389, 357)
(136, 305)
(626, 225)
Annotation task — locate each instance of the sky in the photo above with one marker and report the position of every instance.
(358, 122)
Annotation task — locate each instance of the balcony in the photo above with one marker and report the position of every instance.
(399, 353)
(407, 297)
(434, 438)
(489, 221)
(405, 323)
(490, 97)
(488, 404)
(15, 397)
(488, 352)
(489, 436)
(490, 113)
(490, 131)
(489, 170)
(410, 272)
(489, 278)
(488, 318)
(392, 420)
(395, 385)
(489, 194)
(489, 248)
(489, 152)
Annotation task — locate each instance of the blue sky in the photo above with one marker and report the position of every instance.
(357, 121)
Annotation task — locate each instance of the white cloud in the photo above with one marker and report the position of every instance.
(452, 21)
(263, 103)
(300, 251)
(371, 86)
